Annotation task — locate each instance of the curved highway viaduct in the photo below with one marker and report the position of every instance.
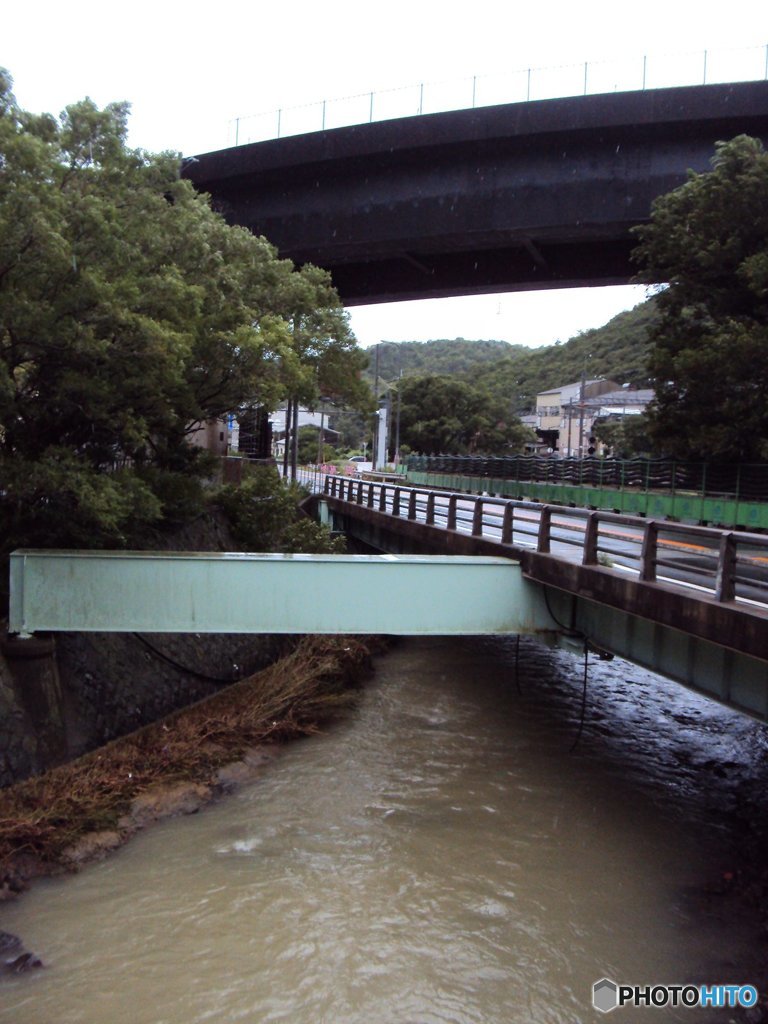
(515, 197)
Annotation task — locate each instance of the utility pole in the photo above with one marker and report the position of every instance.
(397, 420)
(286, 436)
(320, 440)
(295, 441)
(377, 424)
(582, 392)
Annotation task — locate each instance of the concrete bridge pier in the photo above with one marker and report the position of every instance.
(34, 698)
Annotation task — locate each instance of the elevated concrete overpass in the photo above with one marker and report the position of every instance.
(520, 196)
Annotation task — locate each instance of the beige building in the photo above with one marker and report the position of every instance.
(213, 435)
(564, 415)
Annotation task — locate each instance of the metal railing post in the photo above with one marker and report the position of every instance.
(431, 508)
(648, 552)
(412, 505)
(589, 553)
(725, 582)
(451, 512)
(382, 497)
(396, 502)
(477, 518)
(545, 530)
(507, 523)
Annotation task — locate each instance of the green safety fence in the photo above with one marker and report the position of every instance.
(719, 495)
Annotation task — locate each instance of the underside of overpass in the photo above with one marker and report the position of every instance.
(514, 197)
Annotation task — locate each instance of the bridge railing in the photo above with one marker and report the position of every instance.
(626, 74)
(726, 565)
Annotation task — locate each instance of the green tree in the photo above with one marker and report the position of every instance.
(130, 312)
(625, 436)
(708, 240)
(265, 516)
(327, 362)
(443, 414)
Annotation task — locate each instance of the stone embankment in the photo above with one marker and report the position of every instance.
(81, 810)
(63, 696)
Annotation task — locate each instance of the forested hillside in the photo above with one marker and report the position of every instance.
(436, 357)
(516, 373)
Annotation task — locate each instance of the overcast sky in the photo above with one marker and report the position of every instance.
(190, 70)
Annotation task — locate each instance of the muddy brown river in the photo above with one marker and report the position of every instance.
(440, 856)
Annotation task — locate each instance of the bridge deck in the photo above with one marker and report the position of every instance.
(688, 602)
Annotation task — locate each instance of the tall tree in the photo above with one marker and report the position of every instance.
(129, 313)
(441, 414)
(327, 363)
(708, 240)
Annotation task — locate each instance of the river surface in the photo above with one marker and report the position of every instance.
(442, 854)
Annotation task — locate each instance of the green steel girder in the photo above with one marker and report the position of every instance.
(728, 676)
(176, 592)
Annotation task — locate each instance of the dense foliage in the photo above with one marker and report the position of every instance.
(265, 516)
(444, 414)
(130, 312)
(456, 356)
(709, 240)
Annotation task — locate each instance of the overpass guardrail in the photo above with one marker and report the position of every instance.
(630, 73)
(725, 565)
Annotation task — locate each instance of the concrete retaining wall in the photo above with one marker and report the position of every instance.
(62, 696)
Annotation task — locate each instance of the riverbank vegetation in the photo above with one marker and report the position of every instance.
(263, 514)
(43, 819)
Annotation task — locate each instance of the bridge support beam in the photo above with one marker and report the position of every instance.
(729, 676)
(177, 592)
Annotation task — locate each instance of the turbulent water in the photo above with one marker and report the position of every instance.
(440, 855)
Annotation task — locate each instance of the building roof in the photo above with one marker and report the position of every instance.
(568, 387)
(624, 396)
